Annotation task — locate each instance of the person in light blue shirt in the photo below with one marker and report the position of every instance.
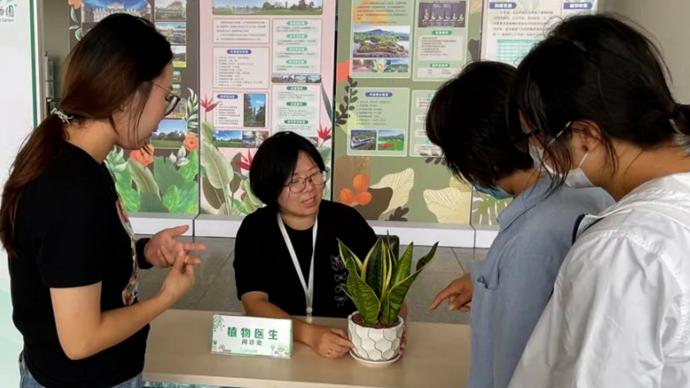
(478, 131)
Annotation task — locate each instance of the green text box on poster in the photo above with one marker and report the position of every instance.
(379, 125)
(296, 46)
(380, 38)
(440, 39)
(420, 145)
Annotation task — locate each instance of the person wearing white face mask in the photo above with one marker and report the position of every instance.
(620, 311)
(509, 289)
(575, 178)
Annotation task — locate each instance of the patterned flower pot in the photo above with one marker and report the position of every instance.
(374, 344)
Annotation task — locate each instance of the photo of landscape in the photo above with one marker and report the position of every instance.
(170, 134)
(227, 139)
(391, 140)
(267, 7)
(381, 42)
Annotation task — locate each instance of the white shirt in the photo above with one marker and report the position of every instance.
(620, 311)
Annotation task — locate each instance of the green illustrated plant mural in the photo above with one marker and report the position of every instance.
(485, 208)
(163, 177)
(225, 178)
(387, 199)
(225, 183)
(75, 19)
(421, 191)
(150, 182)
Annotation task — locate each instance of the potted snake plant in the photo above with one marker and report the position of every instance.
(377, 286)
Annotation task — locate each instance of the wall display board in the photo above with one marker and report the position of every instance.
(511, 28)
(266, 67)
(392, 56)
(166, 178)
(250, 68)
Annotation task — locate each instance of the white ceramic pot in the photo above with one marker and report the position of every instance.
(375, 344)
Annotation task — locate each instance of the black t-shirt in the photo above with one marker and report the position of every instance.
(69, 233)
(263, 263)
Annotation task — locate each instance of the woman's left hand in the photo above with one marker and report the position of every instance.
(160, 250)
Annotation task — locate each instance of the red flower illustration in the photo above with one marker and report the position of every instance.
(324, 134)
(246, 162)
(208, 104)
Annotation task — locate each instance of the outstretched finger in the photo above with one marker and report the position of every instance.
(177, 230)
(441, 296)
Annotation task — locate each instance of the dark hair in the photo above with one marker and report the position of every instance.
(274, 164)
(600, 69)
(111, 66)
(467, 118)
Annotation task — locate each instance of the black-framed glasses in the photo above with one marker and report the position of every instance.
(298, 185)
(171, 100)
(171, 103)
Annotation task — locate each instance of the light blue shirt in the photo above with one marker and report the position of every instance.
(515, 281)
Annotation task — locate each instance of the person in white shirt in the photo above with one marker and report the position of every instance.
(596, 106)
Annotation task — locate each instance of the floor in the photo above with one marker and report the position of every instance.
(215, 288)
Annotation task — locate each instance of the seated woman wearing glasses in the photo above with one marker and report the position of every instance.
(286, 254)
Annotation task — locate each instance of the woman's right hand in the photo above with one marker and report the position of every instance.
(180, 279)
(458, 293)
(330, 343)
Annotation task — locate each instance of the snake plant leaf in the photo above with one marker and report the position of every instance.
(374, 267)
(346, 254)
(426, 258)
(392, 302)
(378, 285)
(403, 267)
(363, 296)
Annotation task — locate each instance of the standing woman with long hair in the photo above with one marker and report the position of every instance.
(594, 98)
(73, 259)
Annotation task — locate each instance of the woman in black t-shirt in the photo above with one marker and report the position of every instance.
(286, 254)
(73, 259)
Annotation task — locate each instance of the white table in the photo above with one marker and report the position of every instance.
(179, 351)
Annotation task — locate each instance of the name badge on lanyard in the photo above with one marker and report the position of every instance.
(308, 287)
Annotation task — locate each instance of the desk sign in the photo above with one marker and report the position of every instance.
(251, 336)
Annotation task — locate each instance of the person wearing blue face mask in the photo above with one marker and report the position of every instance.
(495, 192)
(468, 118)
(594, 96)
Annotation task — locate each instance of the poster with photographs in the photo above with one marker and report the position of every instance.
(511, 29)
(266, 67)
(164, 178)
(392, 56)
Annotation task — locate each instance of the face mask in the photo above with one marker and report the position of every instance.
(496, 192)
(576, 178)
(537, 155)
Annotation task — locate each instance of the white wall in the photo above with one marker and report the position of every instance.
(667, 23)
(17, 112)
